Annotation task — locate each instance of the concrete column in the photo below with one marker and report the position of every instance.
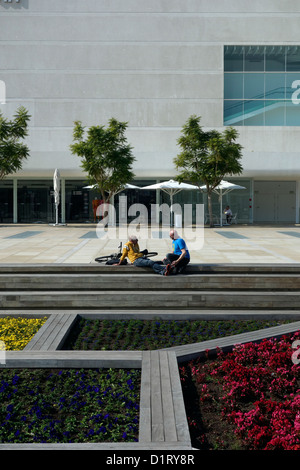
(63, 200)
(297, 202)
(157, 200)
(15, 201)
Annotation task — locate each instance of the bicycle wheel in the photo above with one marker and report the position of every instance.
(103, 259)
(151, 253)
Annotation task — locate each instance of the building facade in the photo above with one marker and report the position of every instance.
(152, 64)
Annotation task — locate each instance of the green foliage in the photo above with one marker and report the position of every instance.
(138, 334)
(69, 405)
(206, 157)
(12, 151)
(105, 155)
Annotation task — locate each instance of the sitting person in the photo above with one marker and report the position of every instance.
(228, 214)
(137, 258)
(180, 257)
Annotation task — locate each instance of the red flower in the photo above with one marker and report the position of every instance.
(263, 377)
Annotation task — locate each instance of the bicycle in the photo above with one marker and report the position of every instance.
(117, 256)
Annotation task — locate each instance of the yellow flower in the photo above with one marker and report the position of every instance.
(16, 332)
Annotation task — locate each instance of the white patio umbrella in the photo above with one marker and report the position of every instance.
(223, 188)
(56, 187)
(127, 186)
(171, 187)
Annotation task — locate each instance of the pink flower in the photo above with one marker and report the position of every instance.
(297, 422)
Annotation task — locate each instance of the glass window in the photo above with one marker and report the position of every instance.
(292, 114)
(238, 200)
(275, 85)
(234, 59)
(79, 206)
(275, 59)
(134, 196)
(275, 113)
(292, 86)
(254, 59)
(293, 59)
(6, 201)
(254, 87)
(233, 112)
(262, 85)
(254, 113)
(35, 201)
(233, 86)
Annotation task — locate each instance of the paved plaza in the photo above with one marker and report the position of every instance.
(80, 244)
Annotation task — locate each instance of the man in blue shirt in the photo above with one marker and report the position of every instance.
(180, 257)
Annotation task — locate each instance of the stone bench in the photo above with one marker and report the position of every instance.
(52, 333)
(145, 300)
(162, 417)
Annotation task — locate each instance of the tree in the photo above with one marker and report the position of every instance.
(105, 155)
(206, 157)
(12, 151)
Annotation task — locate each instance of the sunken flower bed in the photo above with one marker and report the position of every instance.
(69, 405)
(247, 399)
(137, 334)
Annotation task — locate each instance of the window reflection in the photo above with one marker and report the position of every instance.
(293, 59)
(275, 59)
(6, 201)
(274, 113)
(292, 114)
(233, 112)
(254, 113)
(274, 85)
(254, 85)
(234, 59)
(233, 86)
(254, 59)
(262, 85)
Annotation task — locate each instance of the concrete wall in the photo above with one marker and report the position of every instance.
(151, 63)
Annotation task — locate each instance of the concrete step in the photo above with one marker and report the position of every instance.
(130, 269)
(174, 299)
(145, 282)
(219, 287)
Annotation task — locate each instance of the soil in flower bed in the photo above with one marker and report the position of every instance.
(69, 405)
(247, 399)
(134, 334)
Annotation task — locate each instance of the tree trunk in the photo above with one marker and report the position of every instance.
(211, 221)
